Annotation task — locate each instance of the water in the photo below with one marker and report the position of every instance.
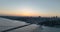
(7, 24)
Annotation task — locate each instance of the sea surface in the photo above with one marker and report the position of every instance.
(6, 24)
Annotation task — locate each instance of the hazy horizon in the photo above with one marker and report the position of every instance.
(30, 7)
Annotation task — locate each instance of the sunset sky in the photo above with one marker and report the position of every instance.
(30, 7)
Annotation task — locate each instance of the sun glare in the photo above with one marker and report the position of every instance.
(27, 11)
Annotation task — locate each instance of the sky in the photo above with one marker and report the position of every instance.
(30, 7)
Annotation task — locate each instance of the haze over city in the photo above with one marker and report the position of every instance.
(30, 7)
(29, 15)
